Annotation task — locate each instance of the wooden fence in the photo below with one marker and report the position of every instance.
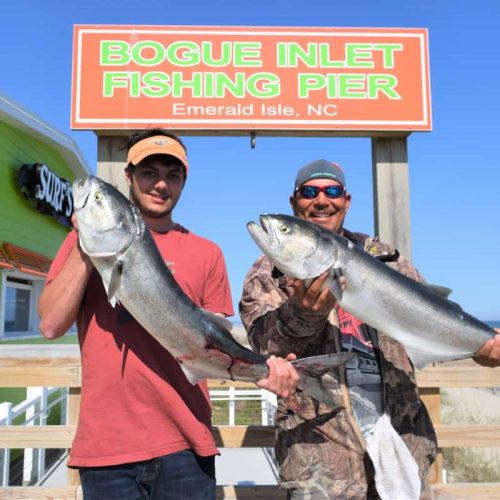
(59, 366)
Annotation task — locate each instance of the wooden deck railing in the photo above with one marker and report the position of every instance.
(59, 366)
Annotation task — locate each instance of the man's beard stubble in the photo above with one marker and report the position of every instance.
(149, 213)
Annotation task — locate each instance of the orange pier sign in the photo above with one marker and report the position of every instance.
(242, 78)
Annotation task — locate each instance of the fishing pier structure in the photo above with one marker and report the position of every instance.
(59, 366)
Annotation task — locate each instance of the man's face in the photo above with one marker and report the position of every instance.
(322, 210)
(155, 186)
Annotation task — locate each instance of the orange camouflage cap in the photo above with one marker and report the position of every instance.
(157, 145)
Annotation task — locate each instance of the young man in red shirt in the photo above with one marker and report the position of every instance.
(144, 431)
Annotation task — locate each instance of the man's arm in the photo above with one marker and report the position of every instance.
(282, 378)
(282, 318)
(61, 298)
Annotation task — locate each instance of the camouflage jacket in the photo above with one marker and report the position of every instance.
(322, 451)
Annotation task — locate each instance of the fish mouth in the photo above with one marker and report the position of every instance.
(264, 235)
(81, 192)
(268, 229)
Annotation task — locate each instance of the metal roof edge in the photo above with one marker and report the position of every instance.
(14, 114)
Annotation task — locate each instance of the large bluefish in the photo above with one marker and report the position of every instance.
(121, 248)
(431, 327)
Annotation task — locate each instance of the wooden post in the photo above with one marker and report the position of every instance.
(391, 193)
(73, 411)
(431, 396)
(112, 160)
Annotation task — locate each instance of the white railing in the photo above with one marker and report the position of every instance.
(32, 411)
(233, 394)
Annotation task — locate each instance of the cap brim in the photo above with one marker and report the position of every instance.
(157, 145)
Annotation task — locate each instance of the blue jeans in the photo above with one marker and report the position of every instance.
(182, 475)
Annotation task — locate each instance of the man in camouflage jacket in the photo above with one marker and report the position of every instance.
(322, 451)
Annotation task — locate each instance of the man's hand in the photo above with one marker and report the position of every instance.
(282, 378)
(489, 354)
(74, 221)
(315, 299)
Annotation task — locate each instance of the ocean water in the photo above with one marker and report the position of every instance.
(494, 323)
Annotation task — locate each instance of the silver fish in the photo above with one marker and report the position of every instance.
(113, 234)
(431, 327)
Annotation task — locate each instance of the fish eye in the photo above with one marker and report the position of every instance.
(284, 228)
(98, 196)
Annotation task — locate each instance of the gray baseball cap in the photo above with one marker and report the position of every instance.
(320, 169)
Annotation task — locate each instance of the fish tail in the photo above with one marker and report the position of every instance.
(318, 379)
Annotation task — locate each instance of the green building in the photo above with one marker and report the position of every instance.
(37, 167)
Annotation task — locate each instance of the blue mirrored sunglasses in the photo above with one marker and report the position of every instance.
(332, 191)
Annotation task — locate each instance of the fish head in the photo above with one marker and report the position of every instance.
(298, 248)
(107, 221)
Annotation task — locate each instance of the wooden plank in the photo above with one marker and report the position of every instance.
(465, 373)
(222, 384)
(39, 436)
(39, 365)
(243, 436)
(40, 376)
(66, 373)
(466, 491)
(74, 493)
(432, 400)
(41, 493)
(74, 398)
(239, 436)
(61, 436)
(474, 436)
(250, 492)
(39, 354)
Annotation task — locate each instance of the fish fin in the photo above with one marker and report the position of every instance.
(196, 373)
(318, 365)
(115, 282)
(418, 359)
(190, 374)
(220, 320)
(317, 379)
(333, 283)
(442, 291)
(456, 305)
(421, 359)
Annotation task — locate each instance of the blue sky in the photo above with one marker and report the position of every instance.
(454, 170)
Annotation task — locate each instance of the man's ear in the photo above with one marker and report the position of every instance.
(128, 175)
(347, 201)
(184, 174)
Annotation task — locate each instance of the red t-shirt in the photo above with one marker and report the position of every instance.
(136, 403)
